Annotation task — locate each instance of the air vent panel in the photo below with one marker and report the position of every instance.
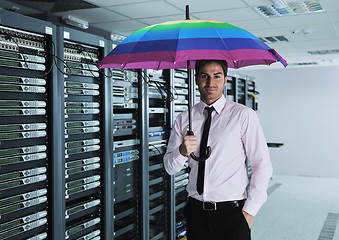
(292, 8)
(324, 52)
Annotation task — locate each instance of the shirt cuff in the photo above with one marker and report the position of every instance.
(251, 207)
(178, 157)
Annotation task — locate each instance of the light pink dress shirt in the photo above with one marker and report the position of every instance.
(235, 133)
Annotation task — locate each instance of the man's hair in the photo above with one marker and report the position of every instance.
(201, 63)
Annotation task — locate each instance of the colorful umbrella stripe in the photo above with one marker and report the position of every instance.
(171, 44)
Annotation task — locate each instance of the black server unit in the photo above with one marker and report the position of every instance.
(25, 119)
(241, 94)
(126, 154)
(229, 90)
(84, 135)
(180, 83)
(159, 97)
(252, 94)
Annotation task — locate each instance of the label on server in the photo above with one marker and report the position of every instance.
(24, 173)
(81, 207)
(80, 72)
(79, 65)
(24, 181)
(23, 88)
(73, 91)
(93, 236)
(82, 104)
(22, 197)
(23, 57)
(78, 124)
(82, 130)
(126, 143)
(25, 112)
(25, 204)
(82, 111)
(70, 84)
(81, 227)
(82, 143)
(18, 135)
(41, 236)
(82, 188)
(81, 162)
(23, 65)
(82, 169)
(82, 149)
(23, 158)
(19, 127)
(82, 181)
(23, 228)
(17, 222)
(20, 104)
(22, 80)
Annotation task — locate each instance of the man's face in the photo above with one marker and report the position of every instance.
(211, 81)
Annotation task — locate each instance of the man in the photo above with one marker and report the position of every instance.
(218, 206)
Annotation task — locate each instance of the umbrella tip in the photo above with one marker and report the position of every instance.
(187, 12)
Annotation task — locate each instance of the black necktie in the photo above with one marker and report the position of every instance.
(203, 146)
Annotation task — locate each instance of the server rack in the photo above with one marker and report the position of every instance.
(26, 156)
(87, 148)
(180, 84)
(126, 162)
(158, 89)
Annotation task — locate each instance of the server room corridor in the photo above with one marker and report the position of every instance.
(299, 208)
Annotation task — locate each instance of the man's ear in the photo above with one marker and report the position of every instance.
(225, 81)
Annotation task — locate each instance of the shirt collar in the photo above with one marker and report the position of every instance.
(218, 105)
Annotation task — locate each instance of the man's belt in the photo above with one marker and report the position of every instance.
(213, 206)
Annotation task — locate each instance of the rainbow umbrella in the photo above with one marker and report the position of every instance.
(172, 44)
(177, 44)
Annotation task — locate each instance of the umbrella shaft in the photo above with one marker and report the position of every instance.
(190, 85)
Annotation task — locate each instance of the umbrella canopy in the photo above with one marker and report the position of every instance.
(172, 44)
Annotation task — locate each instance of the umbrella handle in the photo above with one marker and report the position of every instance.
(204, 156)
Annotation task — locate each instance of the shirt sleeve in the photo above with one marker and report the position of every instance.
(258, 155)
(173, 160)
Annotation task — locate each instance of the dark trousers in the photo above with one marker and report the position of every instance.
(224, 224)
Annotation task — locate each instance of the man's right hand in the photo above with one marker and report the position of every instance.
(188, 145)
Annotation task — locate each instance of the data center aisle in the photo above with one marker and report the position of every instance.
(299, 208)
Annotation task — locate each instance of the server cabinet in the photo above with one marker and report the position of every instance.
(180, 104)
(158, 99)
(26, 155)
(88, 149)
(126, 163)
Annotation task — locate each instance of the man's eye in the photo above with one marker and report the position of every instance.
(204, 76)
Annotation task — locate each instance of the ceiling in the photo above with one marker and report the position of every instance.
(305, 32)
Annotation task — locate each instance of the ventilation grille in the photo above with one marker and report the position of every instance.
(324, 52)
(330, 224)
(292, 8)
(303, 64)
(274, 39)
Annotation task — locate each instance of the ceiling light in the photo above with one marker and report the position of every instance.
(281, 8)
(75, 22)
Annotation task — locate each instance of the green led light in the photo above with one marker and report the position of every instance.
(8, 136)
(10, 128)
(9, 209)
(9, 176)
(9, 225)
(9, 200)
(8, 185)
(74, 210)
(10, 160)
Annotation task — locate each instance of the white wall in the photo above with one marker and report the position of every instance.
(300, 108)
